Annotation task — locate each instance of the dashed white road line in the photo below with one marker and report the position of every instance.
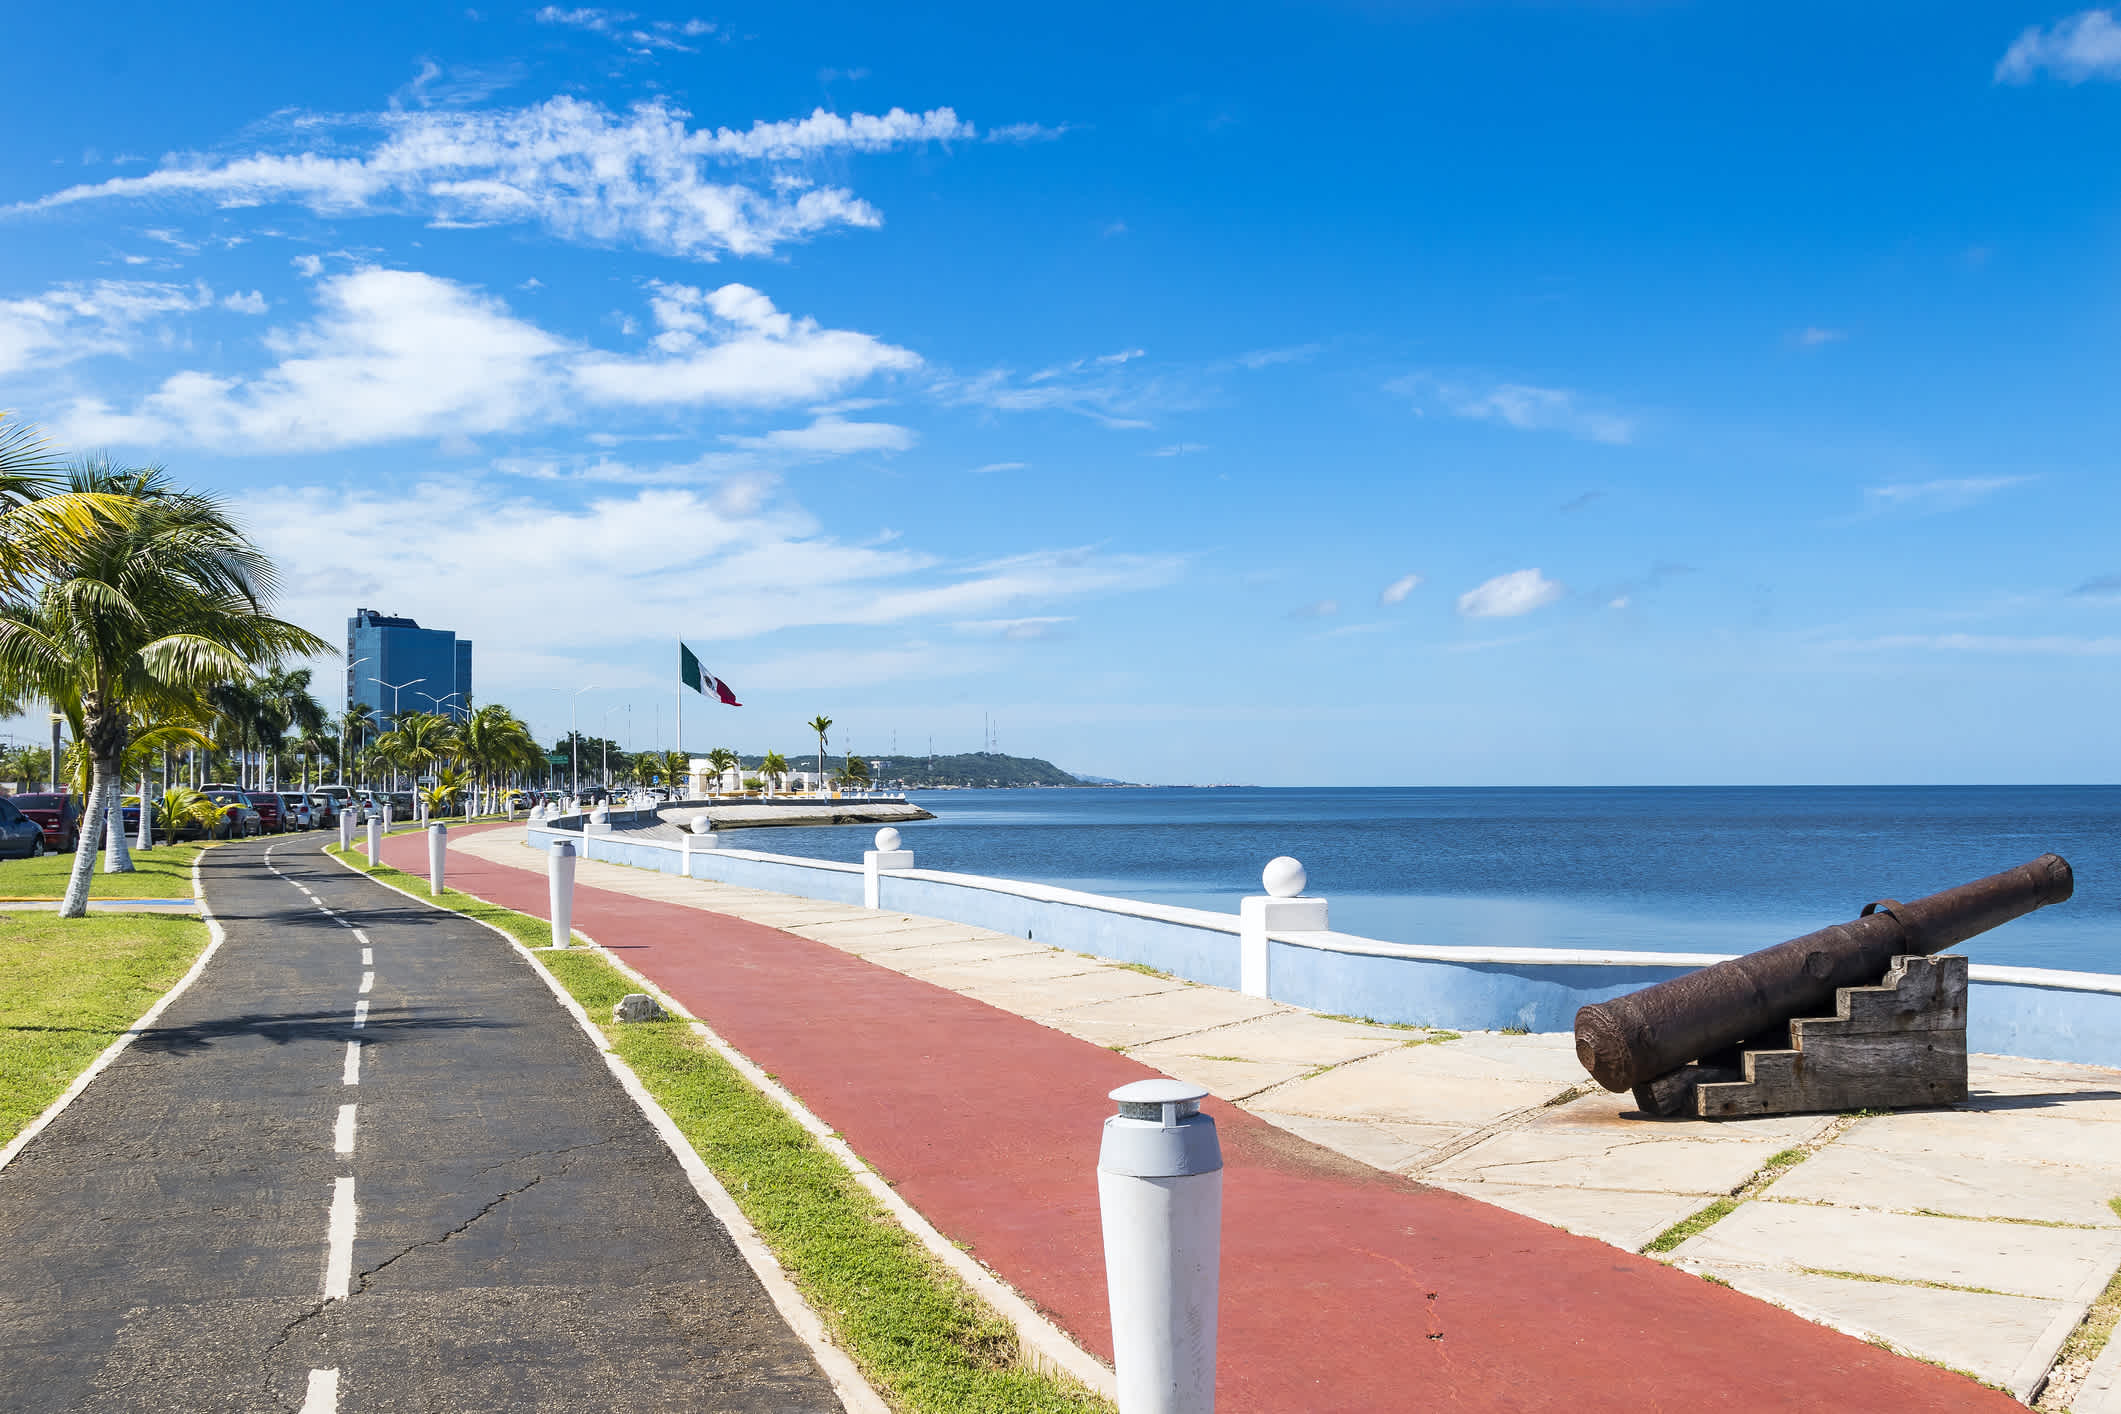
(368, 957)
(323, 1396)
(342, 1133)
(351, 1075)
(360, 1014)
(368, 980)
(361, 935)
(338, 1252)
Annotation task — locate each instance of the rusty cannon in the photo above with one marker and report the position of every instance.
(1858, 1015)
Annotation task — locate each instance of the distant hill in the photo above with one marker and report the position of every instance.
(973, 768)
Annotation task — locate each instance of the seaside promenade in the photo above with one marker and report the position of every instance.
(969, 1068)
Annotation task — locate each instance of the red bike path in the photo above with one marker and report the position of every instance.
(1344, 1288)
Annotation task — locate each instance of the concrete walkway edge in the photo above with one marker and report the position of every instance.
(848, 1382)
(111, 1052)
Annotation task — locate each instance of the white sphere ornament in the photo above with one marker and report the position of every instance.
(887, 839)
(701, 825)
(1283, 877)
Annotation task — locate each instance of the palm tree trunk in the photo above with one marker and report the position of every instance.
(117, 853)
(146, 839)
(75, 904)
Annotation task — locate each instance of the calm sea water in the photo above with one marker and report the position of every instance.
(1701, 869)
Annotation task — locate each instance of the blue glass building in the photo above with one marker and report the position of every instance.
(430, 667)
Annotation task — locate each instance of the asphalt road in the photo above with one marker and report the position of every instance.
(507, 1230)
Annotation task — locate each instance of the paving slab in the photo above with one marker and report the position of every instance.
(2006, 1340)
(1300, 1037)
(2064, 1264)
(1413, 1086)
(1993, 1136)
(1051, 1001)
(1605, 1112)
(1561, 1158)
(1155, 1016)
(2101, 1393)
(1941, 1182)
(1044, 965)
(851, 935)
(1625, 1219)
(1394, 1147)
(932, 953)
(1225, 1078)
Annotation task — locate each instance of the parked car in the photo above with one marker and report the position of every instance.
(129, 819)
(239, 823)
(58, 813)
(324, 809)
(268, 807)
(20, 836)
(294, 810)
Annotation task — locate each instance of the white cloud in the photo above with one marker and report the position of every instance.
(2086, 45)
(1180, 449)
(1319, 609)
(833, 437)
(619, 26)
(1039, 626)
(574, 168)
(999, 466)
(1267, 358)
(1519, 405)
(1397, 591)
(1027, 132)
(241, 303)
(1812, 337)
(397, 354)
(1931, 497)
(1508, 595)
(75, 321)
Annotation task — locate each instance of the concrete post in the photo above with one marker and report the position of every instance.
(375, 840)
(437, 847)
(386, 817)
(1281, 911)
(1160, 1192)
(346, 829)
(559, 869)
(886, 855)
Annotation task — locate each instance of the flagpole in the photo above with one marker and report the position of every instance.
(681, 711)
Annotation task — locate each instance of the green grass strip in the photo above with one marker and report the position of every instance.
(926, 1342)
(71, 986)
(1686, 1227)
(161, 872)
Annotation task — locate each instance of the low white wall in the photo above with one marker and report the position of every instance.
(2020, 1011)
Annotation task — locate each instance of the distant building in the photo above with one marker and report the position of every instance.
(430, 667)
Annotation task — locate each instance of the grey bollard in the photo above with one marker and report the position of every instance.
(559, 869)
(1160, 1191)
(375, 840)
(437, 847)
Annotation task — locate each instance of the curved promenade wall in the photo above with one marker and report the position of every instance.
(2019, 1011)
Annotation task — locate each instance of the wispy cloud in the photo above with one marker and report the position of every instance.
(577, 169)
(2086, 45)
(620, 27)
(1507, 596)
(1813, 337)
(830, 436)
(75, 321)
(1519, 405)
(1104, 388)
(1932, 497)
(1180, 449)
(1024, 630)
(1397, 591)
(2106, 586)
(999, 466)
(1267, 358)
(1319, 609)
(1027, 132)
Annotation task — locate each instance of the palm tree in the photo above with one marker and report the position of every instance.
(289, 707)
(496, 743)
(821, 725)
(773, 767)
(420, 742)
(722, 758)
(359, 723)
(146, 615)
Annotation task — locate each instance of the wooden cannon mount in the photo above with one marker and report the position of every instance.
(1898, 1044)
(1750, 1035)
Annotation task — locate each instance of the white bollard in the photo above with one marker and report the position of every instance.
(375, 840)
(886, 855)
(1281, 911)
(386, 819)
(345, 830)
(437, 846)
(559, 868)
(1160, 1191)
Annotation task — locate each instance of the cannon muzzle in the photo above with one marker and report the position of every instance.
(1645, 1034)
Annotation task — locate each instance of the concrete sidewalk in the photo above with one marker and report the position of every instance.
(969, 1068)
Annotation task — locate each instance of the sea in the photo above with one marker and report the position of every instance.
(1719, 869)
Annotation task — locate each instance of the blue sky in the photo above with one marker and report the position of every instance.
(1428, 393)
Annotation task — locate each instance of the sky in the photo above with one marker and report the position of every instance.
(1337, 394)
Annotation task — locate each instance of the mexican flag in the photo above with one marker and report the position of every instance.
(692, 675)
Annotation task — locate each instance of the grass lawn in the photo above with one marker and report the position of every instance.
(68, 987)
(162, 872)
(927, 1343)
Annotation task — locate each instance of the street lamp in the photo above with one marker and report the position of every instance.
(603, 731)
(574, 738)
(345, 706)
(438, 701)
(395, 688)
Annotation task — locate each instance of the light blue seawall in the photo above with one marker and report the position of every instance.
(2065, 1016)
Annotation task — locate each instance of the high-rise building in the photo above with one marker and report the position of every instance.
(396, 666)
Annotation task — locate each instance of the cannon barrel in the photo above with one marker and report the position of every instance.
(1638, 1037)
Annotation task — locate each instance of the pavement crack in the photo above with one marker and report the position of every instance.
(458, 1231)
(287, 1331)
(541, 1154)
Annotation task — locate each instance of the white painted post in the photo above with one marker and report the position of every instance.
(1281, 911)
(375, 840)
(886, 855)
(1160, 1192)
(345, 829)
(559, 870)
(437, 846)
(386, 818)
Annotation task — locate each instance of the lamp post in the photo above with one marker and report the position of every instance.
(395, 688)
(438, 701)
(345, 706)
(604, 732)
(574, 738)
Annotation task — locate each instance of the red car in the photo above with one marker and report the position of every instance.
(57, 813)
(271, 820)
